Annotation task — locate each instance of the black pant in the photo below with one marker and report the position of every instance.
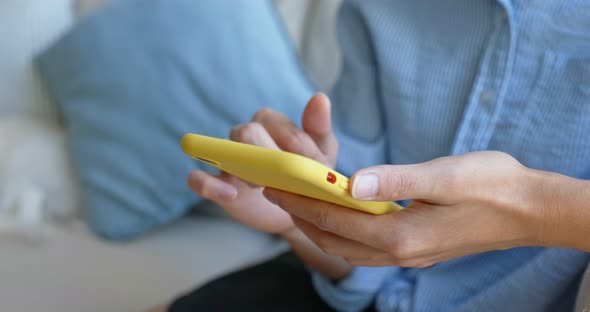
(281, 284)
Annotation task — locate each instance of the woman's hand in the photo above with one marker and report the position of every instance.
(244, 201)
(462, 205)
(240, 199)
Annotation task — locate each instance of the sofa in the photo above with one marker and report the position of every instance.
(59, 264)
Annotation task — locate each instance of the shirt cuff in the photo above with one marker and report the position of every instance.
(356, 291)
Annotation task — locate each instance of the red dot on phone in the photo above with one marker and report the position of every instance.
(331, 178)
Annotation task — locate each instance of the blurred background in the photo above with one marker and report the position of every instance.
(51, 260)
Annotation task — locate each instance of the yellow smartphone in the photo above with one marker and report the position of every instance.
(281, 170)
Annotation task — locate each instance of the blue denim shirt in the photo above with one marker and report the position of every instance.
(424, 79)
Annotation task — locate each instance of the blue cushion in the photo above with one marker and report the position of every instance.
(132, 79)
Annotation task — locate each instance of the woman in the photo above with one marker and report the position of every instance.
(484, 108)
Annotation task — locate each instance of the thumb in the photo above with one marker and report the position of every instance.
(317, 123)
(388, 182)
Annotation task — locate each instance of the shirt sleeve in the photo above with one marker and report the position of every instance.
(356, 291)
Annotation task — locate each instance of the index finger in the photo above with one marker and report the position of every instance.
(287, 135)
(343, 221)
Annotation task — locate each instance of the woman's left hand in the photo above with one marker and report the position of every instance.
(462, 205)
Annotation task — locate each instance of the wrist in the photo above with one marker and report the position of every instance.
(539, 202)
(561, 218)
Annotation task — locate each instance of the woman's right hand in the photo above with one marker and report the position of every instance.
(244, 201)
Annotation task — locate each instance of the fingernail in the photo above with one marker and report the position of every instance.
(227, 193)
(365, 186)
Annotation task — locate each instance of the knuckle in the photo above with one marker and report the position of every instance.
(324, 221)
(293, 141)
(201, 188)
(420, 264)
(235, 128)
(452, 179)
(246, 132)
(400, 247)
(499, 156)
(394, 248)
(262, 114)
(397, 185)
(233, 133)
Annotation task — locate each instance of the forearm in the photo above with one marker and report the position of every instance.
(333, 267)
(564, 204)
